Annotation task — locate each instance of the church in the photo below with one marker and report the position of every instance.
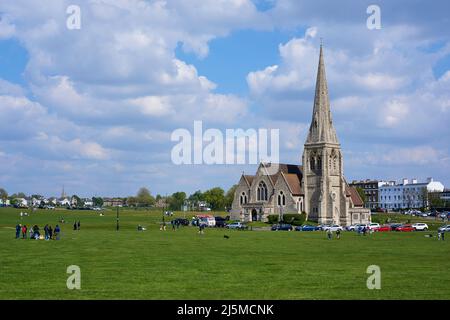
(317, 187)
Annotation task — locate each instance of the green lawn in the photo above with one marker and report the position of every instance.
(185, 265)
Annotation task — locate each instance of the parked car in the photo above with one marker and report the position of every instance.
(394, 226)
(282, 227)
(323, 226)
(384, 228)
(420, 226)
(333, 228)
(405, 228)
(220, 222)
(444, 228)
(183, 222)
(306, 227)
(236, 225)
(374, 226)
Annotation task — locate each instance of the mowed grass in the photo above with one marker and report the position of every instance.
(185, 265)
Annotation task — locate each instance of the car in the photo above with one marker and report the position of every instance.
(359, 227)
(168, 213)
(181, 221)
(333, 228)
(306, 227)
(220, 222)
(374, 226)
(424, 215)
(405, 228)
(322, 226)
(236, 225)
(384, 228)
(282, 227)
(420, 226)
(394, 226)
(444, 228)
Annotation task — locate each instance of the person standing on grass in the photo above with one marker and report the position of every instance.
(443, 235)
(50, 233)
(329, 234)
(18, 227)
(78, 225)
(75, 225)
(338, 233)
(46, 231)
(173, 224)
(24, 232)
(57, 231)
(31, 233)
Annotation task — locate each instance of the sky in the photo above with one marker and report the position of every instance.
(94, 108)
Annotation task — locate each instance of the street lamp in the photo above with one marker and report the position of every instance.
(117, 219)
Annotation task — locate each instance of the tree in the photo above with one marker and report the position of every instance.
(176, 200)
(3, 195)
(362, 194)
(215, 197)
(229, 197)
(144, 197)
(97, 201)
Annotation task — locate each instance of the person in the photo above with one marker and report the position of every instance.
(50, 233)
(18, 227)
(173, 224)
(46, 231)
(338, 233)
(36, 233)
(364, 230)
(24, 232)
(329, 233)
(31, 233)
(439, 235)
(443, 235)
(78, 225)
(57, 231)
(75, 225)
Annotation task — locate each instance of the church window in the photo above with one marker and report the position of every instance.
(261, 194)
(243, 199)
(312, 163)
(281, 199)
(319, 163)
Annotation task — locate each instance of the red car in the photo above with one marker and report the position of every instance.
(384, 228)
(405, 228)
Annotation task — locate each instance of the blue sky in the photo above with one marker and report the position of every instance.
(93, 109)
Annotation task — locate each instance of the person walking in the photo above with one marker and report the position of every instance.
(173, 224)
(329, 234)
(24, 232)
(78, 225)
(443, 235)
(75, 225)
(31, 233)
(57, 231)
(338, 233)
(18, 227)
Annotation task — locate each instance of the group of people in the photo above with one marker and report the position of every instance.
(76, 225)
(441, 235)
(34, 232)
(330, 234)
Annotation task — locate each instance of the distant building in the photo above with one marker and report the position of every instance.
(370, 188)
(408, 194)
(113, 202)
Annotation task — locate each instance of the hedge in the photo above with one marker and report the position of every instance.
(291, 218)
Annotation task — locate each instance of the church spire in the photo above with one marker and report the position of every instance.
(321, 129)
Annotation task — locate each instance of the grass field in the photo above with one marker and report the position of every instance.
(182, 264)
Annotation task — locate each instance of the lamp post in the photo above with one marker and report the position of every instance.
(117, 219)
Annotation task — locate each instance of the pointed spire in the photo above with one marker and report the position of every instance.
(321, 129)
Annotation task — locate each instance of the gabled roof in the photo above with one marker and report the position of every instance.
(293, 183)
(354, 195)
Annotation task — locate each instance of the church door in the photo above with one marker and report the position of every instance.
(254, 215)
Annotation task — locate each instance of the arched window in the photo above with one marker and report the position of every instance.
(312, 163)
(261, 192)
(243, 198)
(281, 199)
(319, 163)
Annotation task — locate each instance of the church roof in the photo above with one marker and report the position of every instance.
(354, 195)
(249, 179)
(294, 183)
(292, 173)
(321, 128)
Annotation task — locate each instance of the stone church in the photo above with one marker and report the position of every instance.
(317, 187)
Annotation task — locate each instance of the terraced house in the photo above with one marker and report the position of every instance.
(317, 188)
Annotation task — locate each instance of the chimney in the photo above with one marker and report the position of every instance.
(405, 181)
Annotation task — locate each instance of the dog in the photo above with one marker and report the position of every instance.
(226, 237)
